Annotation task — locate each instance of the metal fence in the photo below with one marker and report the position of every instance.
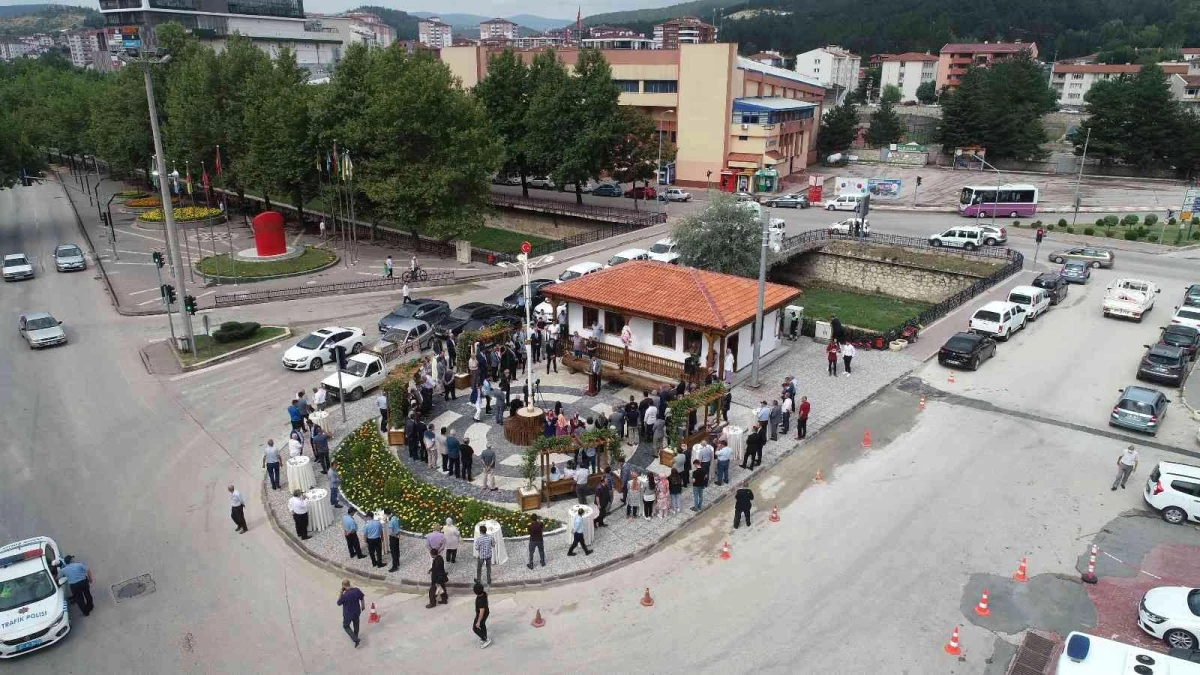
(587, 211)
(271, 295)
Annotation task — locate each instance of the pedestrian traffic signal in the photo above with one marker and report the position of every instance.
(168, 292)
(189, 304)
(1040, 233)
(918, 181)
(157, 258)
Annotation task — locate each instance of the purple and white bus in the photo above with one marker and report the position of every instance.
(1012, 200)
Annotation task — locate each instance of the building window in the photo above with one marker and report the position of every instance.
(1076, 76)
(661, 86)
(1192, 92)
(1076, 85)
(1072, 96)
(613, 322)
(1060, 76)
(628, 86)
(591, 317)
(743, 138)
(664, 335)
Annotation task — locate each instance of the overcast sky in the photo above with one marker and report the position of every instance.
(554, 9)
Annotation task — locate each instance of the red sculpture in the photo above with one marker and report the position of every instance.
(268, 234)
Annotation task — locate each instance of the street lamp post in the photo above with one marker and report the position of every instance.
(145, 62)
(762, 288)
(525, 265)
(1079, 179)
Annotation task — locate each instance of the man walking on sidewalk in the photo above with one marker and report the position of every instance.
(352, 602)
(437, 577)
(1126, 464)
(381, 402)
(577, 533)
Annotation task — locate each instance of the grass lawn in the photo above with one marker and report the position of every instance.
(207, 348)
(312, 258)
(874, 312)
(503, 241)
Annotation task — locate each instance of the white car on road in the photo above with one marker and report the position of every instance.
(17, 266)
(33, 597)
(1034, 300)
(317, 348)
(998, 319)
(674, 194)
(578, 270)
(847, 226)
(665, 250)
(1171, 614)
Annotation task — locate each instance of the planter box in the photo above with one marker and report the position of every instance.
(395, 437)
(462, 380)
(666, 457)
(528, 499)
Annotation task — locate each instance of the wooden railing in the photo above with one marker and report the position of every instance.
(647, 363)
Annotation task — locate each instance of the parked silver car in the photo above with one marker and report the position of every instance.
(41, 330)
(69, 257)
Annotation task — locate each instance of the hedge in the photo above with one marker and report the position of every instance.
(374, 479)
(232, 331)
(677, 410)
(183, 214)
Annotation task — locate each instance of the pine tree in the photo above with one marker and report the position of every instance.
(839, 127)
(886, 126)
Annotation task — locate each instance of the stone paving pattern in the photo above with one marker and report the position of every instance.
(805, 360)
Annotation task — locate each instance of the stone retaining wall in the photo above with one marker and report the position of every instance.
(875, 276)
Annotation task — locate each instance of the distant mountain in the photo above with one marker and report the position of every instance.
(702, 9)
(16, 20)
(471, 21)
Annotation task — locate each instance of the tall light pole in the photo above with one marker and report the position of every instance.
(145, 61)
(658, 162)
(762, 290)
(1079, 179)
(526, 265)
(996, 195)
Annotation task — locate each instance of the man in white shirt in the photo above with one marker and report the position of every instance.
(648, 421)
(787, 406)
(319, 398)
(1126, 464)
(381, 402)
(295, 449)
(299, 508)
(581, 483)
(848, 353)
(703, 452)
(237, 510)
(724, 455)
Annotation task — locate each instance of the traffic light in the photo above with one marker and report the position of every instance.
(339, 355)
(157, 258)
(168, 292)
(918, 181)
(189, 304)
(1040, 233)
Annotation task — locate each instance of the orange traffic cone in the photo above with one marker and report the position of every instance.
(1089, 577)
(921, 406)
(952, 377)
(817, 478)
(725, 551)
(647, 601)
(866, 439)
(982, 608)
(1020, 575)
(538, 621)
(952, 647)
(374, 618)
(774, 514)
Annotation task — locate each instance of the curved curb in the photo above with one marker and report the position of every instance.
(201, 365)
(250, 280)
(420, 587)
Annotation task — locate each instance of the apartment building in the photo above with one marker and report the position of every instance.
(687, 30)
(82, 46)
(831, 66)
(956, 58)
(769, 57)
(539, 41)
(497, 29)
(433, 33)
(738, 124)
(907, 72)
(1071, 81)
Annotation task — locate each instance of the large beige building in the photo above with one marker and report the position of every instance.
(955, 59)
(738, 124)
(434, 34)
(907, 72)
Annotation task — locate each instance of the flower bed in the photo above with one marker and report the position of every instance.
(131, 194)
(373, 478)
(184, 214)
(150, 202)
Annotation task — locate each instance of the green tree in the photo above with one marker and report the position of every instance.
(594, 103)
(891, 94)
(1134, 120)
(240, 64)
(868, 86)
(194, 124)
(886, 126)
(636, 149)
(17, 154)
(505, 94)
(1000, 108)
(965, 111)
(927, 92)
(551, 117)
(839, 127)
(725, 237)
(430, 152)
(280, 153)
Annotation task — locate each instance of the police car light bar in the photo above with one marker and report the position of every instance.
(21, 557)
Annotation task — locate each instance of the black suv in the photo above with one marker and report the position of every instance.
(1184, 337)
(516, 299)
(1164, 363)
(966, 350)
(1054, 284)
(454, 322)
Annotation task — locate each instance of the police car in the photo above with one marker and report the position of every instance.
(33, 597)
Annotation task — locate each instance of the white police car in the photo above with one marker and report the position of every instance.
(33, 597)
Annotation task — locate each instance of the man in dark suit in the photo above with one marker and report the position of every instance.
(741, 500)
(754, 443)
(437, 577)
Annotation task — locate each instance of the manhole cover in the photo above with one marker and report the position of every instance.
(133, 588)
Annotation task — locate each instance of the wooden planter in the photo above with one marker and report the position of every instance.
(528, 499)
(666, 457)
(462, 380)
(395, 437)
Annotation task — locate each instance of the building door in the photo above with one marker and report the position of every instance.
(731, 343)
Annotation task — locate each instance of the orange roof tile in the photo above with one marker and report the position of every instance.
(744, 157)
(680, 295)
(986, 47)
(910, 56)
(1174, 68)
(1097, 68)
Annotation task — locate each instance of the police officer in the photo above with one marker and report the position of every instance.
(373, 530)
(393, 529)
(79, 578)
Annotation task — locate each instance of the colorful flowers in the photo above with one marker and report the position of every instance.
(183, 214)
(148, 202)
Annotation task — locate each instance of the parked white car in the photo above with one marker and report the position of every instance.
(317, 348)
(965, 237)
(1171, 490)
(17, 266)
(627, 255)
(544, 182)
(1172, 614)
(1129, 298)
(674, 194)
(1034, 300)
(998, 318)
(579, 269)
(664, 250)
(847, 226)
(844, 203)
(1187, 316)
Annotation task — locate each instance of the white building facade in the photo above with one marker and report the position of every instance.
(907, 72)
(830, 66)
(497, 29)
(434, 34)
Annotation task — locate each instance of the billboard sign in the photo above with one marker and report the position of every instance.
(884, 188)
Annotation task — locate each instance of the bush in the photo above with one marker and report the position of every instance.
(1100, 223)
(1130, 219)
(1111, 221)
(1150, 220)
(1050, 227)
(1062, 222)
(1089, 231)
(1131, 235)
(1171, 221)
(1110, 232)
(1196, 235)
(1070, 230)
(1017, 224)
(232, 331)
(1196, 220)
(1142, 232)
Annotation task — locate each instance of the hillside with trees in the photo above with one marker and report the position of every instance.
(18, 20)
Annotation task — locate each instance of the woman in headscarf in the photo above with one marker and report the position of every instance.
(564, 425)
(453, 539)
(664, 497)
(549, 425)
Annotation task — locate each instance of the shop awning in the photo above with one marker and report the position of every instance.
(744, 160)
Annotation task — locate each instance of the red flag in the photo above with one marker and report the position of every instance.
(336, 170)
(218, 162)
(204, 179)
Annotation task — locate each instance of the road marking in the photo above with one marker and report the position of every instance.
(209, 369)
(369, 274)
(149, 301)
(204, 294)
(132, 263)
(143, 236)
(121, 250)
(296, 239)
(156, 288)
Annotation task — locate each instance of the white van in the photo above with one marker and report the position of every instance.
(579, 269)
(1035, 300)
(1090, 655)
(998, 319)
(844, 203)
(1172, 489)
(965, 237)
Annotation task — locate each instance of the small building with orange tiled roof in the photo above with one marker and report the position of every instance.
(673, 312)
